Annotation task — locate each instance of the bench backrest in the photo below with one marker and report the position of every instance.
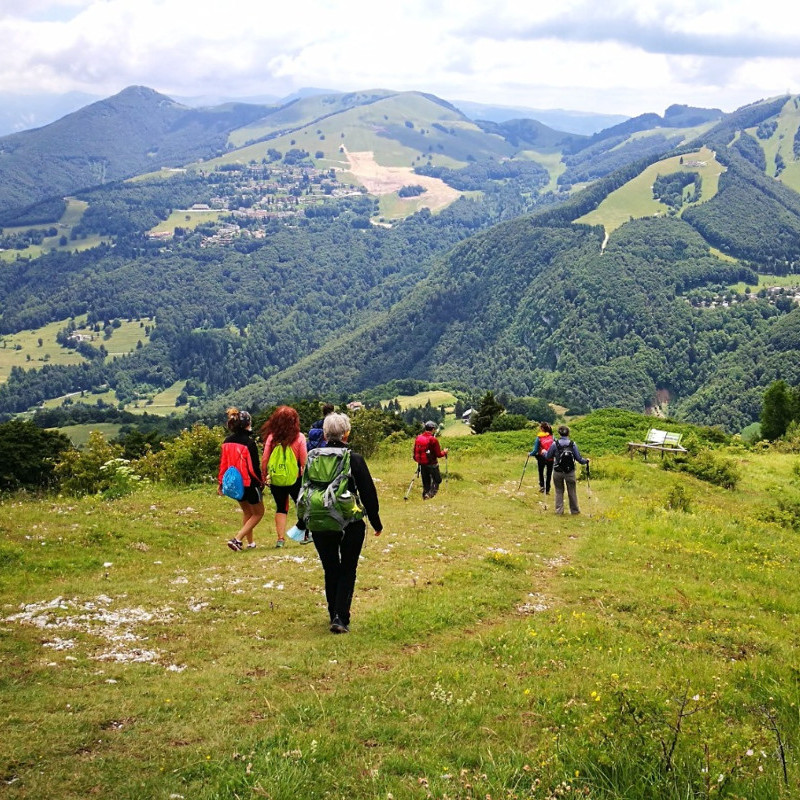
(655, 436)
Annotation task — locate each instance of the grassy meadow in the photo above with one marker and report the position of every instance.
(35, 348)
(781, 142)
(71, 217)
(635, 199)
(644, 649)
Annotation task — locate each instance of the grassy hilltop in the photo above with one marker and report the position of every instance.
(645, 649)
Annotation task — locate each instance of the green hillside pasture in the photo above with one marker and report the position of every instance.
(496, 649)
(79, 434)
(552, 162)
(715, 251)
(635, 198)
(162, 403)
(71, 217)
(126, 338)
(767, 281)
(91, 398)
(392, 207)
(688, 134)
(782, 141)
(187, 218)
(30, 355)
(123, 340)
(380, 128)
(304, 111)
(437, 398)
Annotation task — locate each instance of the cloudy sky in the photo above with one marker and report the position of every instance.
(617, 56)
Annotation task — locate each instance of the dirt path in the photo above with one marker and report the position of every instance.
(379, 180)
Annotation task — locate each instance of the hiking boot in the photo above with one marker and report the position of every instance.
(280, 543)
(306, 539)
(541, 489)
(337, 626)
(251, 545)
(234, 544)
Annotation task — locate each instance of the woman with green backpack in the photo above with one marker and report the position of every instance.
(283, 462)
(338, 492)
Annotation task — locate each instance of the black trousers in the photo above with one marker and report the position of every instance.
(339, 552)
(431, 478)
(545, 466)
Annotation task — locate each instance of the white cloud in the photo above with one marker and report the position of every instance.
(619, 56)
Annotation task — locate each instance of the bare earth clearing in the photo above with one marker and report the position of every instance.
(380, 180)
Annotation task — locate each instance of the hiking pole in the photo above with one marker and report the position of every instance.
(588, 482)
(446, 468)
(523, 472)
(408, 492)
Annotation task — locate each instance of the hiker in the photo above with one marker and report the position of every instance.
(427, 453)
(316, 436)
(565, 453)
(240, 450)
(339, 543)
(544, 438)
(282, 463)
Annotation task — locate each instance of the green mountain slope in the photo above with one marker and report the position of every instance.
(133, 132)
(534, 308)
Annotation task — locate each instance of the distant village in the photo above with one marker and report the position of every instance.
(255, 194)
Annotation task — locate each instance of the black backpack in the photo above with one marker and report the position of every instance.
(565, 458)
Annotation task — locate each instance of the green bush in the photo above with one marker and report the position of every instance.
(787, 513)
(192, 457)
(28, 455)
(85, 471)
(707, 466)
(509, 422)
(122, 479)
(678, 499)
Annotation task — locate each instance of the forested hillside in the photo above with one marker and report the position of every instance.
(538, 309)
(133, 132)
(277, 278)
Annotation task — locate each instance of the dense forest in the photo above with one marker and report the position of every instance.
(538, 310)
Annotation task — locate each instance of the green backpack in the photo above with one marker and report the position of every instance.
(282, 466)
(325, 502)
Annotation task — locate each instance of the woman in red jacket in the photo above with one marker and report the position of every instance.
(240, 450)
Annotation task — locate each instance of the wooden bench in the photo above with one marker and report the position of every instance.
(662, 441)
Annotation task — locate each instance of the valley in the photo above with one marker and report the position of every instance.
(449, 238)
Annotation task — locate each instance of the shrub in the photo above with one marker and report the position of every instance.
(707, 466)
(509, 422)
(28, 455)
(192, 457)
(678, 499)
(82, 471)
(122, 480)
(367, 431)
(787, 514)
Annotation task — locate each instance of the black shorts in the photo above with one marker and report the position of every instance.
(252, 494)
(281, 495)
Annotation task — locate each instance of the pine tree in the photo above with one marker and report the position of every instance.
(488, 409)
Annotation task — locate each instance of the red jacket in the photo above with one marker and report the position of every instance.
(427, 449)
(239, 455)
